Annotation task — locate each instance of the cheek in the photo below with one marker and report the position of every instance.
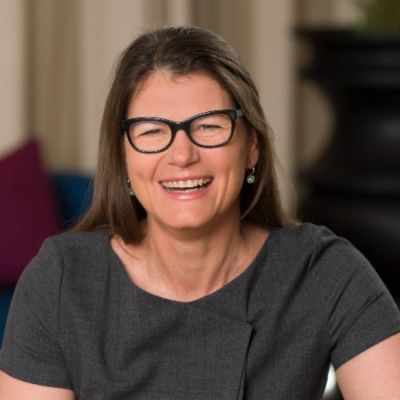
(132, 161)
(235, 163)
(134, 169)
(137, 173)
(141, 171)
(240, 156)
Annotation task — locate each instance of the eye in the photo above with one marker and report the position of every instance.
(146, 129)
(211, 124)
(208, 127)
(152, 132)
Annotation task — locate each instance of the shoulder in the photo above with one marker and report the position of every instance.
(327, 260)
(335, 270)
(65, 253)
(309, 240)
(72, 245)
(332, 255)
(301, 242)
(305, 234)
(78, 241)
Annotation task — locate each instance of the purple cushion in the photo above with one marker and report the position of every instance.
(28, 210)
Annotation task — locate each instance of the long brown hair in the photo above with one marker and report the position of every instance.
(181, 50)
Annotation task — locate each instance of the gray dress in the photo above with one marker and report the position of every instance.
(309, 298)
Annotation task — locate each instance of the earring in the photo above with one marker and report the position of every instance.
(130, 190)
(251, 178)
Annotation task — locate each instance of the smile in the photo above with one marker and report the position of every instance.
(185, 186)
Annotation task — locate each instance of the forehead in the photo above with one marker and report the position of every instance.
(178, 97)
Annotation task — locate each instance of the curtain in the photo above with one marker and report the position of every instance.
(13, 80)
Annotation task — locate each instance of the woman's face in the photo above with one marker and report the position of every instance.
(186, 186)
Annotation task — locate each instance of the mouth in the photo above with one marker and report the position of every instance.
(186, 186)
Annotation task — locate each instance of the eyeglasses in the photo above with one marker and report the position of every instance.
(154, 135)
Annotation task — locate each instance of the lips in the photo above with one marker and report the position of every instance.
(187, 185)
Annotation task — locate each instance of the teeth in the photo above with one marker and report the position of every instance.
(187, 184)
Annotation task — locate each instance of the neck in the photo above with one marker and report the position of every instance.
(190, 265)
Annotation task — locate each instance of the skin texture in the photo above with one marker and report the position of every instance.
(374, 374)
(15, 389)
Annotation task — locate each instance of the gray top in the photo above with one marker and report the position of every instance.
(309, 298)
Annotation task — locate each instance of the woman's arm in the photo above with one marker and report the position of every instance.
(11, 388)
(374, 374)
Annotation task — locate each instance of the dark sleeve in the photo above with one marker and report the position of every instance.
(30, 350)
(359, 309)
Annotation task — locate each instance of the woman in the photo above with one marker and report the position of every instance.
(185, 280)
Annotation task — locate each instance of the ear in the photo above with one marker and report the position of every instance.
(252, 152)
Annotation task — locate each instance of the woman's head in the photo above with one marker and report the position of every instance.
(187, 152)
(180, 51)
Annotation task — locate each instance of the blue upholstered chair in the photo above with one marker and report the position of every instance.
(73, 192)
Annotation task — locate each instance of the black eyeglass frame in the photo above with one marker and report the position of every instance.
(184, 125)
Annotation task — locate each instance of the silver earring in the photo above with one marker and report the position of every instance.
(130, 190)
(251, 177)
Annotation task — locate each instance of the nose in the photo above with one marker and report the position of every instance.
(182, 151)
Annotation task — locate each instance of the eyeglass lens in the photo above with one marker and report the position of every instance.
(208, 130)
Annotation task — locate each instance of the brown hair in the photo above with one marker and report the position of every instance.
(181, 50)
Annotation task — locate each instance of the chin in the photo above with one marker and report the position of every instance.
(184, 221)
(187, 224)
(196, 218)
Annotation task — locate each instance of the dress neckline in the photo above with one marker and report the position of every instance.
(116, 262)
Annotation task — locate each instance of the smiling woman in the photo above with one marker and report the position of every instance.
(185, 280)
(194, 177)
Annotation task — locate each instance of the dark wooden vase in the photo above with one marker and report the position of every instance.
(354, 187)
